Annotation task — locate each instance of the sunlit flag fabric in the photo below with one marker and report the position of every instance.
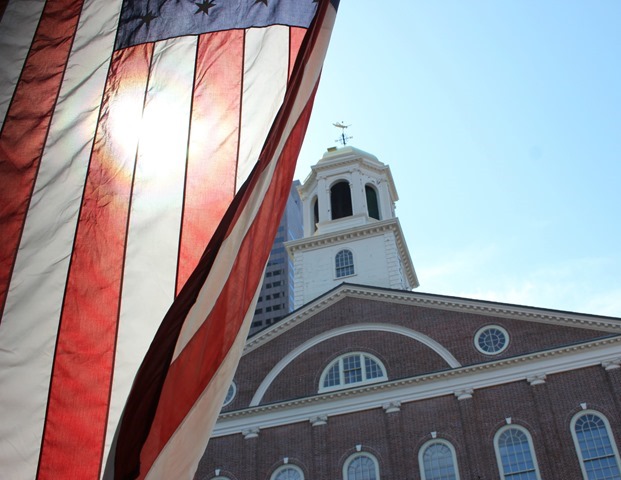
(134, 135)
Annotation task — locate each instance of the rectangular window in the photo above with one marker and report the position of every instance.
(332, 378)
(352, 369)
(373, 370)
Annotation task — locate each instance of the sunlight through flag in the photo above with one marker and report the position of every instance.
(134, 135)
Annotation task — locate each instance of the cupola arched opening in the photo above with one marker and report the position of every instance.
(340, 200)
(315, 204)
(372, 202)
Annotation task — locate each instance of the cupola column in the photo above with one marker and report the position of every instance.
(323, 195)
(358, 199)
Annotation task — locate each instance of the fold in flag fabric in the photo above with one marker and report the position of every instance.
(147, 149)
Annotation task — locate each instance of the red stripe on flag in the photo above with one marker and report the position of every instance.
(26, 125)
(87, 333)
(192, 371)
(156, 407)
(296, 35)
(214, 136)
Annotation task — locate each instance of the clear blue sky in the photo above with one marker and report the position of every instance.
(501, 122)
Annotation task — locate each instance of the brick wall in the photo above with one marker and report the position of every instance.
(545, 410)
(403, 356)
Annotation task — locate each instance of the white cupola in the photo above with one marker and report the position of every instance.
(351, 233)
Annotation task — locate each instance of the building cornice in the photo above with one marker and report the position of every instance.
(342, 236)
(372, 229)
(448, 382)
(480, 307)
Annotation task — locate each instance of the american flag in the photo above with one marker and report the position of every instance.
(135, 134)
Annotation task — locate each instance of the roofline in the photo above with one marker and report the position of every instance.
(431, 300)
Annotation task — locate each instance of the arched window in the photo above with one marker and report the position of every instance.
(515, 454)
(230, 394)
(288, 472)
(361, 466)
(372, 203)
(340, 200)
(351, 369)
(595, 445)
(438, 461)
(344, 263)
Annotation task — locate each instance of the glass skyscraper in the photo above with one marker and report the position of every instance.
(276, 297)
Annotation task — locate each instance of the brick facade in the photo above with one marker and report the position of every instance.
(553, 349)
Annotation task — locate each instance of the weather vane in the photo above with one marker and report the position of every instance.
(342, 138)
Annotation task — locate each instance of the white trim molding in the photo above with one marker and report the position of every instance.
(464, 394)
(537, 379)
(422, 387)
(609, 433)
(352, 458)
(613, 364)
(392, 407)
(287, 466)
(430, 443)
(610, 325)
(485, 330)
(361, 327)
(526, 433)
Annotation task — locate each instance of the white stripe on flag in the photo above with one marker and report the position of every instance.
(266, 66)
(193, 434)
(264, 85)
(28, 328)
(193, 431)
(230, 246)
(18, 26)
(155, 216)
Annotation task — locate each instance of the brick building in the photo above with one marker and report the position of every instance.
(366, 381)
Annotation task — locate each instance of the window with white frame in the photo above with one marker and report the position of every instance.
(438, 461)
(491, 340)
(288, 472)
(361, 466)
(230, 394)
(597, 451)
(351, 369)
(344, 263)
(515, 454)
